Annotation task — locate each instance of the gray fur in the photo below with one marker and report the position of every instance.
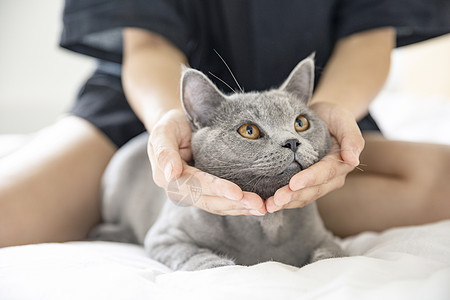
(189, 238)
(131, 201)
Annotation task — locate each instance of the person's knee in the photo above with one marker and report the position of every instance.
(439, 174)
(429, 182)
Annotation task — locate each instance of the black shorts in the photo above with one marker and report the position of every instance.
(102, 102)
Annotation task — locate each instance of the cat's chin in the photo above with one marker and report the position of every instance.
(267, 188)
(293, 167)
(267, 185)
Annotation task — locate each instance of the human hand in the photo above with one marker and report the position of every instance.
(169, 151)
(329, 173)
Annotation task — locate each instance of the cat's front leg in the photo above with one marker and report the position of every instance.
(182, 254)
(205, 259)
(327, 249)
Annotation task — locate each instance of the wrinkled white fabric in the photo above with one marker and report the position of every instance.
(401, 263)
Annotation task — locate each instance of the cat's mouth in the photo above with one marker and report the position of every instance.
(292, 166)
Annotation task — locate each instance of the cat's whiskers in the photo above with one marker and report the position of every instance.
(223, 81)
(335, 150)
(253, 182)
(256, 164)
(221, 164)
(226, 65)
(224, 161)
(228, 169)
(344, 162)
(235, 170)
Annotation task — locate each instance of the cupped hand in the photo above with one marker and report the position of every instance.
(330, 172)
(169, 150)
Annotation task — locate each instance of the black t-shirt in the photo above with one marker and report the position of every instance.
(261, 40)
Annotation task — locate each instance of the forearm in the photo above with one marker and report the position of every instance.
(357, 71)
(151, 74)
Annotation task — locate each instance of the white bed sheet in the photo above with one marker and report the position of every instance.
(413, 117)
(401, 263)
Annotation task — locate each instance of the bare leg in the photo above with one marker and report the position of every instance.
(403, 184)
(49, 188)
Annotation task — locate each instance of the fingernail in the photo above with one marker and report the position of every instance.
(357, 153)
(168, 172)
(255, 213)
(356, 158)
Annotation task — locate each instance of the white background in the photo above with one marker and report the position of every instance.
(38, 80)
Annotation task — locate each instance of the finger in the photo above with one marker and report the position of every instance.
(352, 147)
(254, 203)
(199, 184)
(306, 196)
(342, 125)
(282, 196)
(212, 185)
(237, 213)
(218, 205)
(164, 154)
(250, 202)
(322, 172)
(223, 206)
(349, 137)
(271, 206)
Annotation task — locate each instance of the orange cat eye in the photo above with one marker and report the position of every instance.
(249, 131)
(301, 123)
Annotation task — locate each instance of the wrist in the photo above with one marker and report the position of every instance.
(357, 109)
(153, 116)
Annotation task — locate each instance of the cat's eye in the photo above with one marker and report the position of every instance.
(249, 131)
(301, 123)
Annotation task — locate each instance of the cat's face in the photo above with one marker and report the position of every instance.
(257, 140)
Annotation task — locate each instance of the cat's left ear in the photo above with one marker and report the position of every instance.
(301, 80)
(199, 96)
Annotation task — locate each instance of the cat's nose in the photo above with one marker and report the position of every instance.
(292, 144)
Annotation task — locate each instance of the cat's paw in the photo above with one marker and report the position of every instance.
(203, 262)
(326, 252)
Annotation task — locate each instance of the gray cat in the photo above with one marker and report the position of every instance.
(258, 140)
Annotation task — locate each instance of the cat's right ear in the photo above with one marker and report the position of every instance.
(301, 80)
(199, 96)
